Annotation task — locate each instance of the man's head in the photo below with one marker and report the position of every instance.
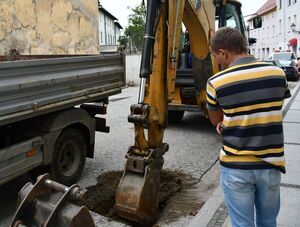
(227, 44)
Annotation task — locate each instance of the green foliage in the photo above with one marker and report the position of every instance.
(123, 40)
(136, 26)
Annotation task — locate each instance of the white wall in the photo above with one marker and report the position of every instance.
(101, 29)
(266, 37)
(108, 32)
(118, 34)
(288, 14)
(133, 63)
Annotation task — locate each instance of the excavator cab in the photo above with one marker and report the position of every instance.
(230, 15)
(192, 73)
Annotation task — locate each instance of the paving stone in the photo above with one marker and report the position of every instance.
(295, 105)
(292, 156)
(291, 133)
(292, 116)
(290, 208)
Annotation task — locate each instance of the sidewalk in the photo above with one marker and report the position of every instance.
(214, 213)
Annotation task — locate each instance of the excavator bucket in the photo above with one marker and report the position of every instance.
(50, 204)
(137, 196)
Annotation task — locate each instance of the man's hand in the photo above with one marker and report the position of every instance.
(220, 127)
(215, 116)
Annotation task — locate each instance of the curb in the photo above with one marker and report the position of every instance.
(206, 213)
(287, 105)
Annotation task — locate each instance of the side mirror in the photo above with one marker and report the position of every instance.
(252, 40)
(257, 22)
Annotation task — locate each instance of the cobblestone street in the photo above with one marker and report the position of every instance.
(193, 142)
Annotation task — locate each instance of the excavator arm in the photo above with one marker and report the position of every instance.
(137, 196)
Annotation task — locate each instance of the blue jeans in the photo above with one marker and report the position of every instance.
(246, 189)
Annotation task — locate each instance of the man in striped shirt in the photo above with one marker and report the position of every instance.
(244, 101)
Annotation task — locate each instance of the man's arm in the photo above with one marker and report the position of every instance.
(215, 116)
(214, 110)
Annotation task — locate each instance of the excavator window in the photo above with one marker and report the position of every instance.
(232, 19)
(229, 16)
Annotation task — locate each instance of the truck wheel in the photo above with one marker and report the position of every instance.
(175, 116)
(69, 157)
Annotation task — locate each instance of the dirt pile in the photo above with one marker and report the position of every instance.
(101, 197)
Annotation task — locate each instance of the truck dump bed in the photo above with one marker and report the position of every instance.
(33, 87)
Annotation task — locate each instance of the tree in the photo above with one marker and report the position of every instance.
(123, 41)
(136, 26)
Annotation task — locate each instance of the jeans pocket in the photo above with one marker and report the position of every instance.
(239, 180)
(273, 179)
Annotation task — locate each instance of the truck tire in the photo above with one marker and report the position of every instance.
(68, 157)
(175, 116)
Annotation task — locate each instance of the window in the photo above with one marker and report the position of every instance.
(232, 19)
(280, 4)
(101, 38)
(295, 1)
(295, 19)
(289, 23)
(289, 2)
(280, 26)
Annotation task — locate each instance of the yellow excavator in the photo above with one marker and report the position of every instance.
(137, 196)
(138, 192)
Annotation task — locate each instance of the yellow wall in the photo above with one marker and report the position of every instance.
(49, 26)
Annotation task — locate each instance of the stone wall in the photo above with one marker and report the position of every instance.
(49, 27)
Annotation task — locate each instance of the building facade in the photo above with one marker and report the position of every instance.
(289, 32)
(109, 31)
(280, 29)
(52, 27)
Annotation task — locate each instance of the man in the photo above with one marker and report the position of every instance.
(244, 102)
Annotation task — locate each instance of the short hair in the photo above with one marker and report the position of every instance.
(229, 39)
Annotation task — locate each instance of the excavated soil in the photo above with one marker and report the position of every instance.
(101, 197)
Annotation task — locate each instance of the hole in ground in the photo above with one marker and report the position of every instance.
(101, 197)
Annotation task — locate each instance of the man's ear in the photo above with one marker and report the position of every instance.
(223, 52)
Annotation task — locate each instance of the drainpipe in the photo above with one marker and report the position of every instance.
(284, 24)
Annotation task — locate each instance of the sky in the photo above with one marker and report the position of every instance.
(121, 8)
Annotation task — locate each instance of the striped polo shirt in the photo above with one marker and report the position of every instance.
(250, 94)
